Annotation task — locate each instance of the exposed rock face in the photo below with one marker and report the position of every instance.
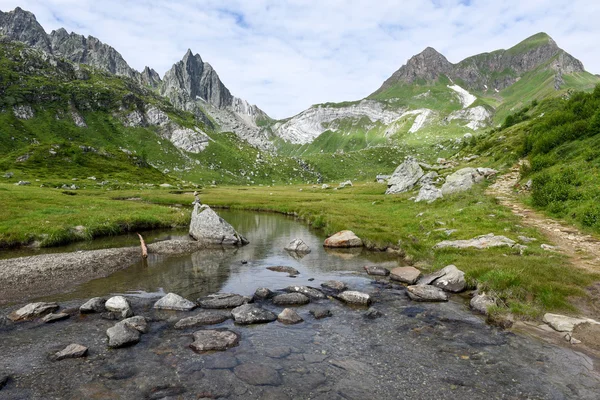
(405, 274)
(426, 293)
(32, 310)
(71, 351)
(175, 302)
(208, 227)
(481, 302)
(150, 77)
(354, 297)
(290, 299)
(429, 194)
(23, 26)
(480, 242)
(311, 292)
(405, 177)
(222, 300)
(94, 305)
(212, 340)
(449, 278)
(203, 318)
(23, 112)
(252, 314)
(343, 239)
(289, 316)
(298, 246)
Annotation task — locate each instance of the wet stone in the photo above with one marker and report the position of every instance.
(263, 294)
(32, 310)
(289, 316)
(354, 297)
(336, 286)
(138, 323)
(278, 352)
(203, 318)
(257, 374)
(218, 340)
(407, 275)
(290, 299)
(222, 300)
(311, 292)
(119, 304)
(174, 302)
(94, 305)
(52, 317)
(426, 293)
(252, 314)
(377, 271)
(288, 270)
(71, 351)
(221, 361)
(320, 312)
(373, 313)
(122, 335)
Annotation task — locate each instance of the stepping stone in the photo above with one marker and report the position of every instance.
(426, 293)
(222, 300)
(289, 316)
(208, 340)
(354, 297)
(252, 314)
(407, 275)
(174, 302)
(290, 299)
(71, 351)
(204, 318)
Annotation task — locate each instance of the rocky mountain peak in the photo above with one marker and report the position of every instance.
(150, 77)
(22, 26)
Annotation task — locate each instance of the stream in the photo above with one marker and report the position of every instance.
(414, 351)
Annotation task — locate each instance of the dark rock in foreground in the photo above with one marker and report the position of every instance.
(320, 312)
(94, 305)
(263, 294)
(71, 351)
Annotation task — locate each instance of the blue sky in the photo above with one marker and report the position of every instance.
(285, 55)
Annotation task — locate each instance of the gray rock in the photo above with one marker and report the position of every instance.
(377, 271)
(526, 239)
(298, 246)
(405, 274)
(252, 314)
(461, 180)
(207, 226)
(311, 292)
(405, 176)
(138, 323)
(336, 286)
(373, 313)
(222, 300)
(487, 172)
(428, 179)
(320, 312)
(354, 297)
(563, 323)
(288, 270)
(23, 183)
(71, 351)
(175, 302)
(289, 316)
(122, 335)
(548, 247)
(119, 304)
(32, 310)
(482, 302)
(52, 317)
(257, 374)
(94, 305)
(429, 194)
(23, 111)
(220, 361)
(278, 351)
(343, 239)
(290, 299)
(263, 294)
(203, 318)
(449, 278)
(345, 184)
(426, 293)
(480, 242)
(214, 340)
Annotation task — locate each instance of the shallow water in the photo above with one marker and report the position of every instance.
(414, 351)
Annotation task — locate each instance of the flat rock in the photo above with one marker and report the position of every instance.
(405, 177)
(138, 323)
(426, 293)
(71, 351)
(122, 335)
(290, 299)
(480, 242)
(174, 302)
(405, 274)
(94, 305)
(207, 226)
(449, 278)
(320, 312)
(263, 294)
(563, 323)
(252, 314)
(288, 270)
(257, 374)
(119, 304)
(481, 303)
(52, 317)
(214, 340)
(32, 310)
(298, 246)
(222, 300)
(336, 286)
(377, 271)
(311, 292)
(343, 239)
(203, 318)
(354, 297)
(289, 316)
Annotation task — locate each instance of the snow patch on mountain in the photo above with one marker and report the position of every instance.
(464, 96)
(422, 115)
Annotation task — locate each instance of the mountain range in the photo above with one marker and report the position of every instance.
(427, 101)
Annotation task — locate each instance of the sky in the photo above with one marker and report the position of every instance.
(285, 55)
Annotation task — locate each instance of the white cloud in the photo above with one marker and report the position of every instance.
(286, 55)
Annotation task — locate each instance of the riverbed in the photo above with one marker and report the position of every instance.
(414, 351)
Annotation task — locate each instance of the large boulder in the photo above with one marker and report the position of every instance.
(252, 314)
(343, 239)
(32, 310)
(405, 177)
(207, 226)
(480, 242)
(174, 302)
(213, 340)
(449, 278)
(122, 335)
(426, 293)
(429, 194)
(119, 304)
(465, 178)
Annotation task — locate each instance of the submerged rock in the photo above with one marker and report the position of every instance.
(52, 317)
(252, 314)
(405, 177)
(343, 239)
(320, 312)
(354, 297)
(289, 316)
(373, 313)
(298, 246)
(94, 305)
(481, 303)
(480, 242)
(461, 180)
(214, 340)
(377, 271)
(311, 292)
(203, 318)
(71, 351)
(426, 293)
(405, 274)
(208, 227)
(175, 302)
(32, 310)
(257, 374)
(222, 300)
(289, 299)
(288, 270)
(448, 278)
